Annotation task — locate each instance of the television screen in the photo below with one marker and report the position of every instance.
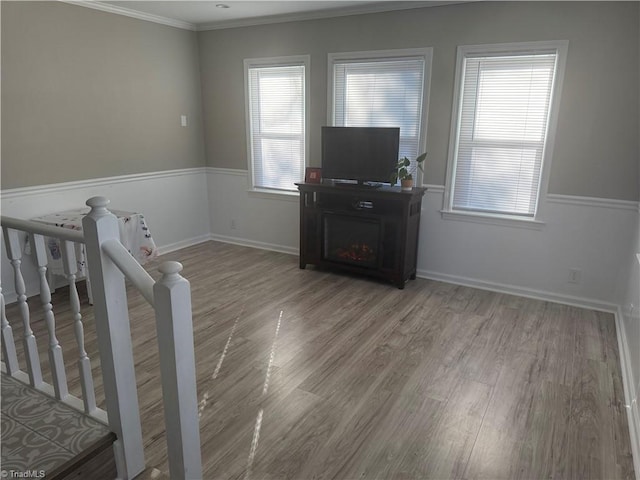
(365, 154)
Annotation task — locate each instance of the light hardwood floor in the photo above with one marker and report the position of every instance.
(309, 374)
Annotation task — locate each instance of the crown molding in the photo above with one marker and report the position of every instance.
(127, 12)
(248, 22)
(319, 14)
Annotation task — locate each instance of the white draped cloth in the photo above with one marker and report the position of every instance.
(134, 235)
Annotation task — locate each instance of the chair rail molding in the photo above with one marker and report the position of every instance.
(175, 204)
(592, 201)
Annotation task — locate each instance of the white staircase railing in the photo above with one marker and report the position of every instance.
(170, 296)
(14, 240)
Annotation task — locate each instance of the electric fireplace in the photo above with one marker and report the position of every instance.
(351, 240)
(371, 231)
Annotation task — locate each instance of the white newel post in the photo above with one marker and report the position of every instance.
(114, 339)
(172, 294)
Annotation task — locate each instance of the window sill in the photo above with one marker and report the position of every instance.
(501, 220)
(290, 196)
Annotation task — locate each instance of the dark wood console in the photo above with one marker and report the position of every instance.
(372, 231)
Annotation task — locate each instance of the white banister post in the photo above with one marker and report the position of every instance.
(8, 345)
(14, 252)
(84, 363)
(56, 360)
(172, 294)
(114, 339)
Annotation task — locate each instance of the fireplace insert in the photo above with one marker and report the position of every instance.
(352, 240)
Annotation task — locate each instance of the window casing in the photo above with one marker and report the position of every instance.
(276, 96)
(502, 128)
(382, 89)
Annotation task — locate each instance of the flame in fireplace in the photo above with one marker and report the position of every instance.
(357, 252)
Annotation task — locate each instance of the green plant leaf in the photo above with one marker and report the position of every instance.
(420, 159)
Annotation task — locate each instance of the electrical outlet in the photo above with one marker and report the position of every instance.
(233, 224)
(575, 276)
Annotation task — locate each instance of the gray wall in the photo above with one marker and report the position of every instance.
(89, 94)
(596, 151)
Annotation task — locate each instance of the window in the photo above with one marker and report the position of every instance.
(276, 121)
(501, 127)
(382, 89)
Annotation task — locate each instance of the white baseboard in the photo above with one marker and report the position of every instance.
(458, 280)
(633, 412)
(520, 291)
(188, 242)
(251, 243)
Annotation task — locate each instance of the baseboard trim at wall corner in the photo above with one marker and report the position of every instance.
(633, 412)
(10, 297)
(255, 244)
(189, 242)
(546, 296)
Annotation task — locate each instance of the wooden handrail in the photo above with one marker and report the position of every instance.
(14, 232)
(130, 267)
(42, 229)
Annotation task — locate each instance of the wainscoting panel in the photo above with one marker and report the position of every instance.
(591, 238)
(256, 219)
(174, 203)
(628, 330)
(628, 326)
(589, 235)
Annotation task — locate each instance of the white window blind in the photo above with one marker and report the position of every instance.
(501, 132)
(277, 125)
(385, 92)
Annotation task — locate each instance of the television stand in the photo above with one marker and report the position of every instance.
(371, 231)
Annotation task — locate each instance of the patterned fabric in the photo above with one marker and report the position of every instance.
(134, 235)
(40, 434)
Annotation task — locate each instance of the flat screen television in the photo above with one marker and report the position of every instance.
(364, 154)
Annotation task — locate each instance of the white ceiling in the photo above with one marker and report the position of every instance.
(204, 15)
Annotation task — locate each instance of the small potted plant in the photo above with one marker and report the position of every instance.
(403, 173)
